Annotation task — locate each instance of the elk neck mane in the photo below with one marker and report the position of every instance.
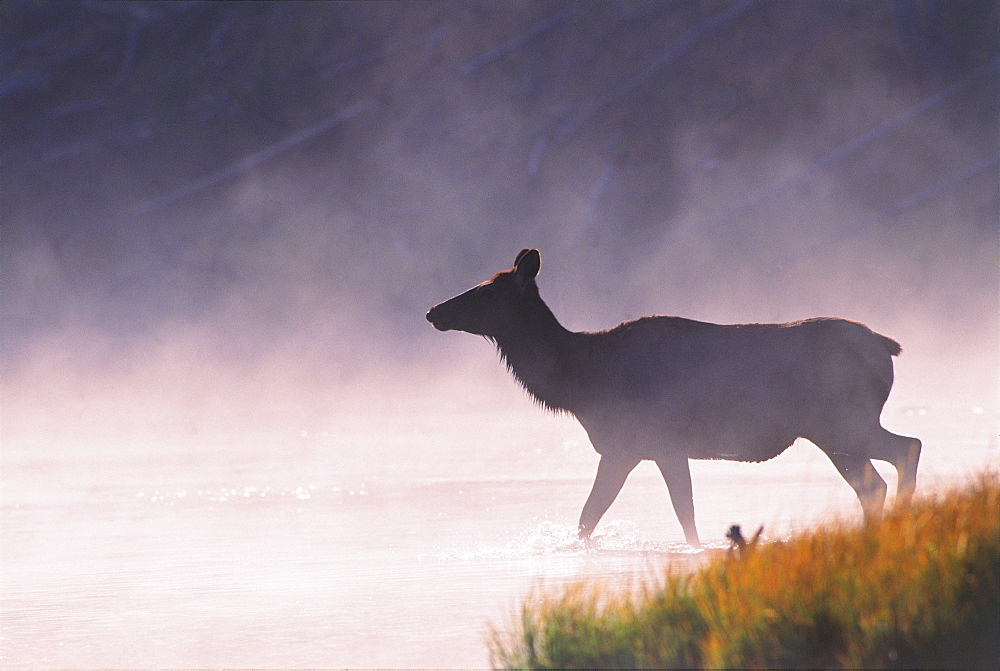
(539, 352)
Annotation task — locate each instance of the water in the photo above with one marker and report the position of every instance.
(368, 543)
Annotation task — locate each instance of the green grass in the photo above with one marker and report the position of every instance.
(919, 588)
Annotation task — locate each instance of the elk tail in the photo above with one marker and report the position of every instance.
(891, 346)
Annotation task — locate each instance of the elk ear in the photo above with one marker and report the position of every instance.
(527, 265)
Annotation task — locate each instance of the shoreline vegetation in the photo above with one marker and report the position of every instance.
(920, 588)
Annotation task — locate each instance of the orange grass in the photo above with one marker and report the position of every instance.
(919, 588)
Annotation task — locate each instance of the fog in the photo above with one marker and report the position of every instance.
(244, 199)
(226, 221)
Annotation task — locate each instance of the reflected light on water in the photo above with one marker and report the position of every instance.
(396, 546)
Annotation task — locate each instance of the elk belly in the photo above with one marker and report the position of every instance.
(746, 443)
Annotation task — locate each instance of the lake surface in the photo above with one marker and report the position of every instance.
(368, 543)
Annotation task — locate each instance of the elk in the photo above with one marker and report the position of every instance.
(670, 389)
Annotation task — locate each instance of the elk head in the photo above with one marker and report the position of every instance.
(491, 308)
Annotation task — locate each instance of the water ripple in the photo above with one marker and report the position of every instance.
(170, 498)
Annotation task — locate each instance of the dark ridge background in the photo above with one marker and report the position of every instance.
(213, 209)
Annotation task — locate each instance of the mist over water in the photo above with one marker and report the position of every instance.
(230, 438)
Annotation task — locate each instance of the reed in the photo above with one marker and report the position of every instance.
(921, 587)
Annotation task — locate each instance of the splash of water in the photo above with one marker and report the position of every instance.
(546, 538)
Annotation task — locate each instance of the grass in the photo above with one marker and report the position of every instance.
(919, 588)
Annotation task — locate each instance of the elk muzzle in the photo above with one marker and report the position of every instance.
(437, 319)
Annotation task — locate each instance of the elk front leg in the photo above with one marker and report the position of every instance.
(611, 475)
(677, 474)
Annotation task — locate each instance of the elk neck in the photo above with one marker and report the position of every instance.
(540, 353)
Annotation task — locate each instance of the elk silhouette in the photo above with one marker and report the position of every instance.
(671, 389)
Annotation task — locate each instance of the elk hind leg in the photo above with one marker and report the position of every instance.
(865, 480)
(903, 452)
